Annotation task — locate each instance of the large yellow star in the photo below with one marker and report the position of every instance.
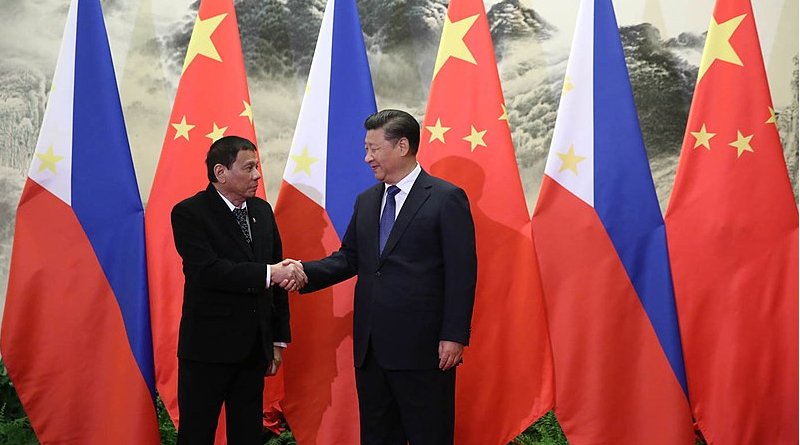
(49, 159)
(452, 44)
(437, 131)
(772, 117)
(569, 160)
(475, 138)
(303, 162)
(718, 45)
(200, 43)
(216, 133)
(742, 144)
(247, 112)
(702, 137)
(182, 129)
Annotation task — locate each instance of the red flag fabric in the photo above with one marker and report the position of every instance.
(506, 381)
(732, 232)
(212, 101)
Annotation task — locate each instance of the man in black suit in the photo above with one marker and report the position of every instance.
(235, 318)
(411, 241)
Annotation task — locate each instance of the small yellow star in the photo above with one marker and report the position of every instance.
(475, 138)
(504, 116)
(49, 159)
(182, 129)
(437, 131)
(303, 162)
(718, 45)
(567, 86)
(452, 43)
(216, 133)
(742, 144)
(569, 160)
(702, 137)
(200, 42)
(773, 119)
(248, 112)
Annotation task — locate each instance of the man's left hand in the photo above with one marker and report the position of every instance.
(450, 354)
(277, 359)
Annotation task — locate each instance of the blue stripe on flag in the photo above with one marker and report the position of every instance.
(625, 197)
(351, 100)
(105, 195)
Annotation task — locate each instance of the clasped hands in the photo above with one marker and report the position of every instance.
(288, 274)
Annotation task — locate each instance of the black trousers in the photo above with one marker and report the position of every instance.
(204, 387)
(405, 406)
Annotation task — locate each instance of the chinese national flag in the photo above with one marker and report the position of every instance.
(506, 381)
(212, 101)
(732, 231)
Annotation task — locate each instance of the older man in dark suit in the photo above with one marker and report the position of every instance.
(235, 318)
(411, 242)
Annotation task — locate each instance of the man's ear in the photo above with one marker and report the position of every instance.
(403, 146)
(219, 173)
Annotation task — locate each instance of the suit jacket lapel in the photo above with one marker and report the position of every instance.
(420, 193)
(372, 215)
(222, 213)
(259, 230)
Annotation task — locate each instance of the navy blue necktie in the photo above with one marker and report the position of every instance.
(387, 217)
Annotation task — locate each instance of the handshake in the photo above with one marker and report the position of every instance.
(289, 275)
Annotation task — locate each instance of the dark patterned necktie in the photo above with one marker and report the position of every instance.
(241, 218)
(387, 217)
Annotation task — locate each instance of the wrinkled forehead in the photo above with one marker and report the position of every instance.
(375, 137)
(246, 157)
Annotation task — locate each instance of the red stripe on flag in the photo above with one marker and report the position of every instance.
(318, 371)
(613, 380)
(76, 385)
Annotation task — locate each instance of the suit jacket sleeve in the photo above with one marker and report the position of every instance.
(460, 267)
(201, 264)
(337, 267)
(280, 298)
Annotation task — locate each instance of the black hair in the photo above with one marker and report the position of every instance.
(396, 124)
(224, 151)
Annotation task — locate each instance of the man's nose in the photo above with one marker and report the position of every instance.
(256, 174)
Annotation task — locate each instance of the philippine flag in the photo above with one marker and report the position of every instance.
(324, 173)
(76, 329)
(602, 249)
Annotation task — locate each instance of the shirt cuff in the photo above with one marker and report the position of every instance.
(269, 276)
(280, 344)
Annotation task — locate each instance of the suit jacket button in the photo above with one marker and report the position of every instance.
(378, 274)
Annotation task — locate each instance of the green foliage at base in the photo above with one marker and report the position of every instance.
(15, 428)
(545, 431)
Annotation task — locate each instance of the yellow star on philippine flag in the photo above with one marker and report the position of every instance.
(475, 138)
(569, 160)
(452, 43)
(200, 43)
(437, 131)
(718, 45)
(303, 162)
(742, 144)
(182, 128)
(567, 86)
(216, 133)
(247, 112)
(702, 137)
(49, 159)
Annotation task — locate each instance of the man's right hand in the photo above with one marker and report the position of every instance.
(288, 274)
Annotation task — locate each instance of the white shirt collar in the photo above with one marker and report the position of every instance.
(406, 183)
(230, 204)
